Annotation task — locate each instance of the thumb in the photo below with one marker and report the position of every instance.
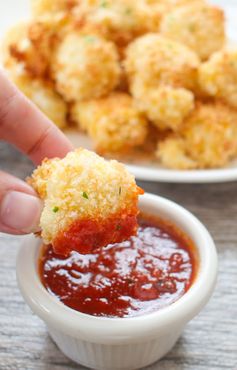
(20, 208)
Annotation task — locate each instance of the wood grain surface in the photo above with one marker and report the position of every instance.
(209, 342)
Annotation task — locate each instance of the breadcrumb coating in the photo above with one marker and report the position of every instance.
(199, 26)
(172, 153)
(31, 45)
(87, 200)
(156, 60)
(218, 76)
(119, 20)
(166, 107)
(210, 133)
(86, 67)
(42, 7)
(160, 73)
(208, 139)
(41, 94)
(114, 123)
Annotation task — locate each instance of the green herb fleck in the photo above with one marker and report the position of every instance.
(104, 4)
(120, 190)
(118, 227)
(192, 27)
(85, 195)
(90, 39)
(55, 209)
(128, 11)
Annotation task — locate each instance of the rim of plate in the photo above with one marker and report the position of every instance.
(179, 176)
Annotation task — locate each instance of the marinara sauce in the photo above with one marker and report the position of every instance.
(141, 275)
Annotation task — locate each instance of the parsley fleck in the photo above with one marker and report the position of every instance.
(128, 11)
(118, 227)
(85, 195)
(120, 190)
(89, 39)
(55, 209)
(192, 27)
(104, 4)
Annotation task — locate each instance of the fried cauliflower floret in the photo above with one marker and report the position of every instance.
(86, 67)
(42, 7)
(41, 94)
(210, 134)
(166, 106)
(218, 76)
(88, 202)
(199, 26)
(31, 44)
(160, 74)
(120, 20)
(156, 60)
(114, 123)
(172, 153)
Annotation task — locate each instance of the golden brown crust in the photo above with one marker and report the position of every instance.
(82, 186)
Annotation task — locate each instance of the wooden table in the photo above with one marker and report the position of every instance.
(209, 342)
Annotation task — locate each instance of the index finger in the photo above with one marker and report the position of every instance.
(25, 126)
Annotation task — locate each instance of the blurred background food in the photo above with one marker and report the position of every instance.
(138, 76)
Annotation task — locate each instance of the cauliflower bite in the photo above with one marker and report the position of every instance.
(40, 93)
(114, 123)
(30, 44)
(160, 74)
(166, 107)
(119, 20)
(172, 153)
(88, 202)
(42, 7)
(210, 133)
(156, 60)
(86, 67)
(218, 76)
(199, 26)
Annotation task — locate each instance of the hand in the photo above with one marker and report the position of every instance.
(24, 126)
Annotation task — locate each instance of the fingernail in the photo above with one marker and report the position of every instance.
(20, 211)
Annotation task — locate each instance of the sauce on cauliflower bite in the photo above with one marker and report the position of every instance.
(86, 66)
(218, 76)
(88, 202)
(199, 26)
(114, 123)
(161, 74)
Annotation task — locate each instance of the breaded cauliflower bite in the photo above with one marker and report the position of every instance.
(31, 45)
(210, 133)
(218, 76)
(208, 139)
(88, 202)
(199, 26)
(41, 93)
(172, 153)
(114, 123)
(120, 20)
(161, 72)
(86, 66)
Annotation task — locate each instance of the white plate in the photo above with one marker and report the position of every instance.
(14, 10)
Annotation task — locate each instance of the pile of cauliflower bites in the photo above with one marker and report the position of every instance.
(121, 69)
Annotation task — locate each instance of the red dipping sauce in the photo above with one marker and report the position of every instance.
(139, 276)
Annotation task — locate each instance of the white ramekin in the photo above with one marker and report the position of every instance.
(122, 343)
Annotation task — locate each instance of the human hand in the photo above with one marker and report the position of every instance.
(24, 126)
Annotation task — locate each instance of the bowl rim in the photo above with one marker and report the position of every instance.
(124, 330)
